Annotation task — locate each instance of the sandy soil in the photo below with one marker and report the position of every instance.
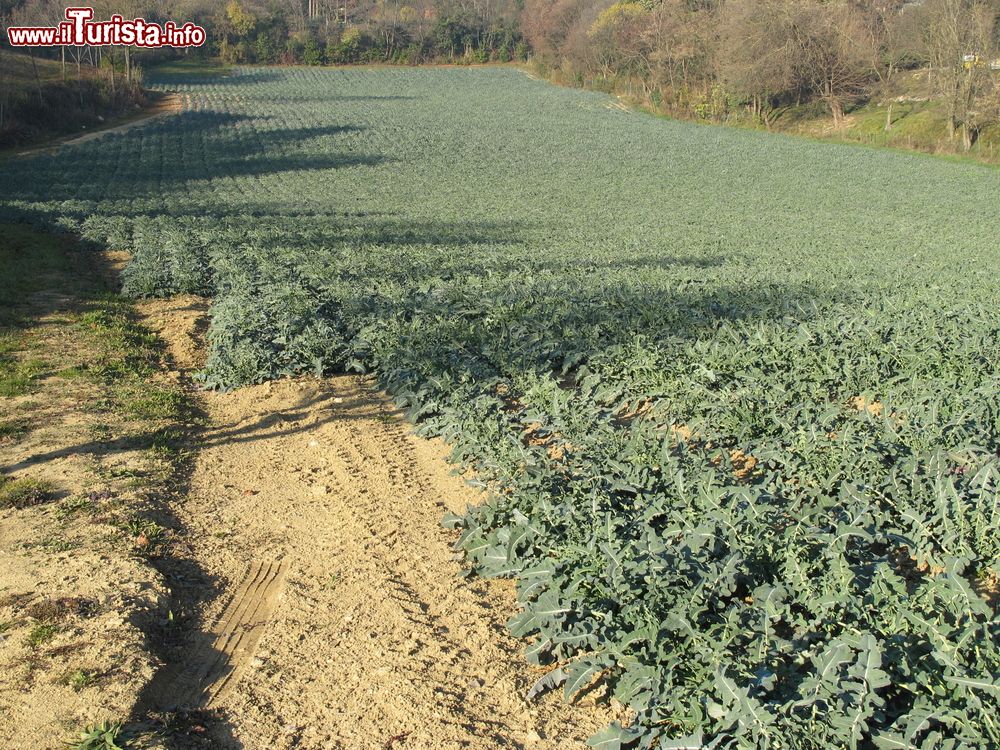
(336, 617)
(75, 600)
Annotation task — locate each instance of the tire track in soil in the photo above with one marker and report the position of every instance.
(214, 665)
(373, 640)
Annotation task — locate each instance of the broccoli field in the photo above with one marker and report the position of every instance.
(735, 397)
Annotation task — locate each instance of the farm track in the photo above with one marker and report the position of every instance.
(374, 641)
(167, 104)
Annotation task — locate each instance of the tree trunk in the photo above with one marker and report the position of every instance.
(837, 110)
(969, 135)
(38, 81)
(78, 54)
(888, 117)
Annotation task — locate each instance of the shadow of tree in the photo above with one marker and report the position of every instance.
(240, 77)
(215, 145)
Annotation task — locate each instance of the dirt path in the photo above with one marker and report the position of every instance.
(166, 104)
(345, 625)
(96, 460)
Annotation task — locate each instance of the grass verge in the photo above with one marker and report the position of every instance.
(94, 441)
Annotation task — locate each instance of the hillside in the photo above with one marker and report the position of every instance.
(918, 122)
(42, 100)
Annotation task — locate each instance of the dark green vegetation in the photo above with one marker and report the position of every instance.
(735, 396)
(248, 31)
(23, 493)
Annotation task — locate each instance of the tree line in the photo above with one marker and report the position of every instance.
(719, 60)
(723, 59)
(316, 32)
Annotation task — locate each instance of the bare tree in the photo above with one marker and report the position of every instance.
(959, 36)
(886, 46)
(682, 46)
(34, 13)
(830, 40)
(548, 23)
(757, 57)
(619, 40)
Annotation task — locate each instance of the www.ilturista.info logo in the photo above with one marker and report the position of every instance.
(80, 30)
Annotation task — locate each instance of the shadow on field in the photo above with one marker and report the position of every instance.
(386, 98)
(285, 99)
(387, 230)
(215, 146)
(466, 318)
(243, 75)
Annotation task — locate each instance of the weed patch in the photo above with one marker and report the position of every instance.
(80, 679)
(104, 736)
(41, 634)
(24, 492)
